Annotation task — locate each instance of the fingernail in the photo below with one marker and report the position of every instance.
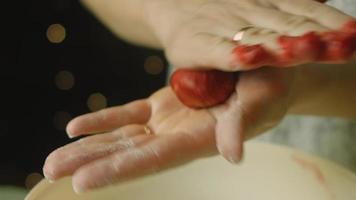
(234, 159)
(78, 190)
(70, 135)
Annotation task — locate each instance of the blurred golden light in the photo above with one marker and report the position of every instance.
(96, 101)
(32, 179)
(56, 33)
(61, 120)
(153, 65)
(64, 80)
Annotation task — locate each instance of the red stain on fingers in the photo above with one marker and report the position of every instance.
(339, 46)
(300, 49)
(349, 27)
(315, 171)
(253, 56)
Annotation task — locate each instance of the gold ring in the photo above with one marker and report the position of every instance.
(147, 130)
(240, 34)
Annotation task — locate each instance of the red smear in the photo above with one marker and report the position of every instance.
(349, 27)
(202, 88)
(310, 167)
(339, 46)
(253, 56)
(315, 170)
(300, 49)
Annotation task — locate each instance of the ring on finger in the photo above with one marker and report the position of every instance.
(240, 34)
(147, 130)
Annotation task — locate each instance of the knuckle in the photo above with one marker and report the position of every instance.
(296, 21)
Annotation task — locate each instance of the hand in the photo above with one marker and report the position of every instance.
(199, 33)
(122, 150)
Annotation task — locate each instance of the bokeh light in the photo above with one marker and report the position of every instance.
(153, 65)
(64, 80)
(56, 33)
(61, 119)
(96, 101)
(32, 179)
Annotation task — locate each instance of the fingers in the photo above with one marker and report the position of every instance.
(282, 22)
(158, 153)
(261, 102)
(230, 132)
(285, 51)
(208, 44)
(137, 112)
(339, 46)
(323, 14)
(282, 50)
(64, 161)
(204, 50)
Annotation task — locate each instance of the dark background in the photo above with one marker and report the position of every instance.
(36, 98)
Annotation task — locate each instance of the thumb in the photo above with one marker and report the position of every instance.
(230, 132)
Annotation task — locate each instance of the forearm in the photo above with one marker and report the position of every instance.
(125, 18)
(326, 90)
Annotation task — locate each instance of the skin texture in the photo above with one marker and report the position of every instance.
(326, 47)
(204, 89)
(117, 149)
(198, 33)
(307, 48)
(179, 133)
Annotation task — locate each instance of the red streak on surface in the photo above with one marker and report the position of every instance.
(315, 170)
(312, 167)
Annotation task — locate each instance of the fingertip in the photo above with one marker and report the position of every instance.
(349, 26)
(339, 46)
(78, 188)
(248, 57)
(300, 49)
(232, 153)
(70, 132)
(80, 182)
(72, 129)
(49, 171)
(230, 135)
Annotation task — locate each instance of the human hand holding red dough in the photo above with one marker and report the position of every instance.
(198, 33)
(207, 88)
(281, 34)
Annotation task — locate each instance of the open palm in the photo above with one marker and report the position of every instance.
(124, 150)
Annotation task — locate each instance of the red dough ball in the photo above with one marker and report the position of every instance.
(300, 49)
(202, 88)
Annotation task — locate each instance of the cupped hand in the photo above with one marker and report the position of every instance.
(122, 148)
(200, 32)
